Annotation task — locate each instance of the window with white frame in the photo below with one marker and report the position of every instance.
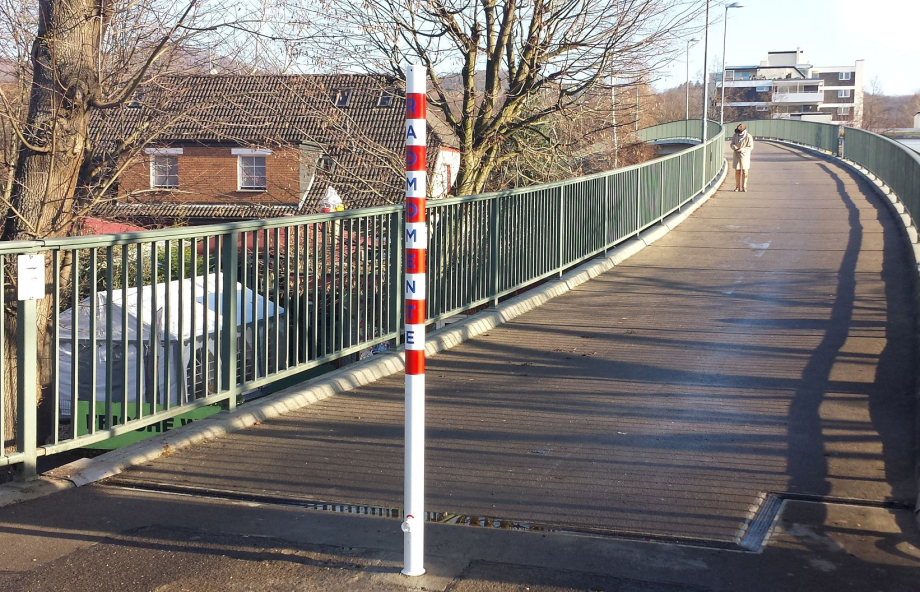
(843, 94)
(844, 76)
(164, 171)
(762, 108)
(763, 89)
(251, 169)
(164, 167)
(843, 110)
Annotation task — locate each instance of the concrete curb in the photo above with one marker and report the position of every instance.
(86, 471)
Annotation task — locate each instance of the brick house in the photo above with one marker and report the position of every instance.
(240, 147)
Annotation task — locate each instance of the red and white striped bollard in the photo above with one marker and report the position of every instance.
(416, 249)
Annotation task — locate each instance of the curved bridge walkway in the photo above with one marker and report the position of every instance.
(754, 368)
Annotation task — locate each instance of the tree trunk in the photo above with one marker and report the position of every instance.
(63, 87)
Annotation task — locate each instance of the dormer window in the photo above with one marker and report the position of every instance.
(386, 98)
(342, 97)
(326, 164)
(137, 99)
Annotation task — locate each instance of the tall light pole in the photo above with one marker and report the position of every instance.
(689, 41)
(705, 73)
(724, 39)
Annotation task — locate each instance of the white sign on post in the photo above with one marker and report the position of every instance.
(31, 275)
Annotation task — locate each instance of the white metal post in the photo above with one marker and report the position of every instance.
(724, 67)
(416, 251)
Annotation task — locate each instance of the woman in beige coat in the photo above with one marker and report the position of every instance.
(742, 145)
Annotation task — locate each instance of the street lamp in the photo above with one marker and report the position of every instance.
(724, 38)
(689, 41)
(705, 73)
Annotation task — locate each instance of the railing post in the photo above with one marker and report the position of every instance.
(494, 234)
(561, 228)
(230, 325)
(31, 288)
(26, 383)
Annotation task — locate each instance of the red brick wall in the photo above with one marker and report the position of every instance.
(208, 175)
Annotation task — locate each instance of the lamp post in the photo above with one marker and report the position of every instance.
(689, 41)
(724, 39)
(705, 74)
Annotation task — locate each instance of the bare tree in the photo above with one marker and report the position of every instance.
(504, 68)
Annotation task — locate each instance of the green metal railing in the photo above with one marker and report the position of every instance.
(824, 136)
(143, 327)
(895, 164)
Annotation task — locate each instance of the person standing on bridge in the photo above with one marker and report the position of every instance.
(742, 145)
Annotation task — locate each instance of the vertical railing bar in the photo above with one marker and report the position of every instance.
(254, 305)
(167, 324)
(181, 370)
(287, 295)
(109, 334)
(276, 285)
(326, 295)
(367, 332)
(55, 348)
(313, 237)
(246, 326)
(339, 292)
(74, 341)
(193, 337)
(93, 335)
(266, 291)
(154, 329)
(206, 321)
(217, 357)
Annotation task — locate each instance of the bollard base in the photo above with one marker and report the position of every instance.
(413, 574)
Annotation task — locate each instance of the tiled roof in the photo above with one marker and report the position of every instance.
(364, 140)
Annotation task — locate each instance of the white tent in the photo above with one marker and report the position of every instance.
(191, 334)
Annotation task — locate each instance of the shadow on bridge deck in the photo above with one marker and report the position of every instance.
(763, 351)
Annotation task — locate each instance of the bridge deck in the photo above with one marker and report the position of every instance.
(766, 345)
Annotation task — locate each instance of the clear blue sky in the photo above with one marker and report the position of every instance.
(884, 33)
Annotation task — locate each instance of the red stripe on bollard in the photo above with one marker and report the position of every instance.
(415, 312)
(416, 106)
(415, 158)
(415, 209)
(415, 362)
(415, 260)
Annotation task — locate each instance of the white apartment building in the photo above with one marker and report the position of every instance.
(786, 86)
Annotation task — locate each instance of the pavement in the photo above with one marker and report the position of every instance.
(732, 408)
